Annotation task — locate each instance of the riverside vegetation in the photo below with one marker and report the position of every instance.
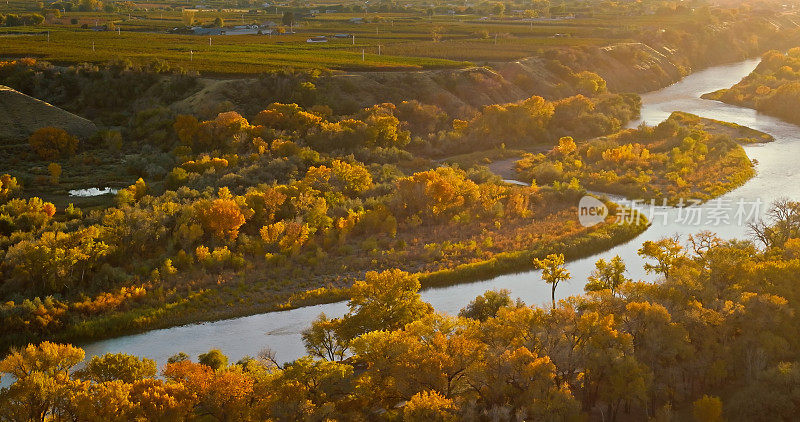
(683, 157)
(227, 215)
(773, 87)
(239, 216)
(298, 188)
(715, 338)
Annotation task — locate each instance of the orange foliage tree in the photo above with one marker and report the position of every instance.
(52, 143)
(220, 217)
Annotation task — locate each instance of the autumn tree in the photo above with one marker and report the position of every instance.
(221, 217)
(100, 402)
(323, 340)
(186, 127)
(340, 178)
(707, 409)
(383, 301)
(133, 192)
(316, 390)
(429, 406)
(781, 224)
(25, 215)
(9, 187)
(553, 272)
(522, 383)
(512, 124)
(264, 202)
(42, 380)
(53, 143)
(57, 260)
(117, 366)
(438, 195)
(55, 172)
(433, 353)
(221, 394)
(666, 253)
(290, 117)
(607, 275)
(154, 399)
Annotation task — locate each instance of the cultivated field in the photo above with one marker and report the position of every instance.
(411, 38)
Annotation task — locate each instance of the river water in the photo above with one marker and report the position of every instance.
(778, 176)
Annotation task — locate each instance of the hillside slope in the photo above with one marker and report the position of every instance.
(21, 115)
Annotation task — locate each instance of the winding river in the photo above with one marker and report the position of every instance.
(778, 176)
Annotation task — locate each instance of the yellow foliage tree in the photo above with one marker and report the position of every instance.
(55, 172)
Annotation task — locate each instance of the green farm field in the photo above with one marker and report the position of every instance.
(385, 41)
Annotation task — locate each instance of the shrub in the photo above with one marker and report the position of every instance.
(52, 143)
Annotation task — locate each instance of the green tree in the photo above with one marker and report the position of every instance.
(214, 359)
(607, 276)
(288, 18)
(487, 305)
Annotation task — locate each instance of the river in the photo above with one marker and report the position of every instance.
(777, 176)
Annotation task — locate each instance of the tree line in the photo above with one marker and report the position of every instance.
(714, 337)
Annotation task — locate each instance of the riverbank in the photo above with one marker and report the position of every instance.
(208, 304)
(280, 331)
(228, 306)
(684, 159)
(771, 88)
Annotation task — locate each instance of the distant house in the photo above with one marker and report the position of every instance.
(317, 39)
(314, 11)
(342, 36)
(356, 20)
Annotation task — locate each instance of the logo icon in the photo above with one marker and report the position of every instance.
(591, 211)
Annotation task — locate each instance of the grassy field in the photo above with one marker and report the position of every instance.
(385, 41)
(235, 54)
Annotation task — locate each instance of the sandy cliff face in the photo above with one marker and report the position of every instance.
(21, 115)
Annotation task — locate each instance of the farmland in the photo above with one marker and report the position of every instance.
(402, 39)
